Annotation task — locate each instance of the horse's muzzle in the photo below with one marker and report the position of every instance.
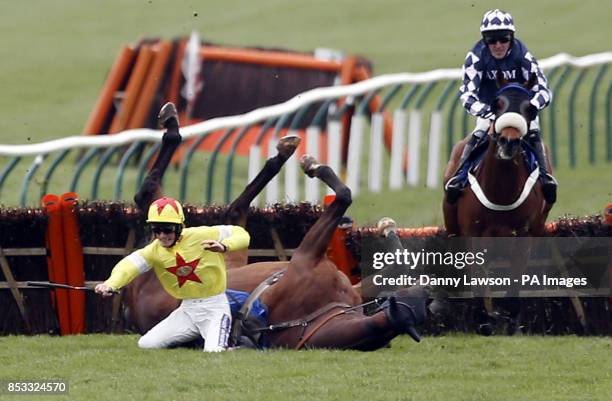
(507, 149)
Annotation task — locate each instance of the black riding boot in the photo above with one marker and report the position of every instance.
(454, 186)
(549, 184)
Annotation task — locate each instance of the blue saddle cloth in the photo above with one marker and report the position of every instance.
(238, 298)
(478, 154)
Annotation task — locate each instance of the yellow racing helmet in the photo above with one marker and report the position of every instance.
(166, 210)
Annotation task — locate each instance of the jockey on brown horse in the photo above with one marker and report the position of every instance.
(499, 55)
(505, 197)
(311, 303)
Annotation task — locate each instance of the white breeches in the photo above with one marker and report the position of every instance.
(209, 318)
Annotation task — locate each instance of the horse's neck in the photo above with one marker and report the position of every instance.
(501, 180)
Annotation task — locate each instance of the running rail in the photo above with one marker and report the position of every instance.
(416, 91)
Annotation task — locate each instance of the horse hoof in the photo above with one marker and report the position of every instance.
(309, 165)
(287, 145)
(385, 226)
(485, 330)
(166, 113)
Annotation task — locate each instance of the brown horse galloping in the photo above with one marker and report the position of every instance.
(504, 197)
(312, 291)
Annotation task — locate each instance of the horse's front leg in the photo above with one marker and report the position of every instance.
(151, 186)
(313, 246)
(513, 303)
(237, 211)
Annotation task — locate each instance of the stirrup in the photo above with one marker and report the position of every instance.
(551, 179)
(454, 189)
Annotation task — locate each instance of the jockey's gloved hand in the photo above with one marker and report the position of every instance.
(104, 290)
(531, 112)
(214, 246)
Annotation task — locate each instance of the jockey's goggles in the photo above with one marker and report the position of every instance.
(163, 228)
(492, 38)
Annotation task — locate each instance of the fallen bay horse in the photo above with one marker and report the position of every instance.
(313, 304)
(504, 197)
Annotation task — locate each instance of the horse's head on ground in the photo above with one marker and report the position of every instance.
(513, 114)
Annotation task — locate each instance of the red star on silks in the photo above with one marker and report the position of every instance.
(160, 203)
(184, 270)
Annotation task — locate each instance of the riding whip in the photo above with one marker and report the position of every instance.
(50, 284)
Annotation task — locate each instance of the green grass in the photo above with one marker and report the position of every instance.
(59, 53)
(458, 367)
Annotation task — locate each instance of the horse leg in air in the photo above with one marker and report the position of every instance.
(151, 186)
(237, 211)
(149, 303)
(314, 245)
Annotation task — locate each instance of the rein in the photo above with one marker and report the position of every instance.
(305, 321)
(347, 308)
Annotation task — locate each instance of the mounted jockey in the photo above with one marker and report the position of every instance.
(499, 50)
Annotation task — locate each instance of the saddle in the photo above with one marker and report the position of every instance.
(250, 315)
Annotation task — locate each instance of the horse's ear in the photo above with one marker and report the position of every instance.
(500, 80)
(533, 79)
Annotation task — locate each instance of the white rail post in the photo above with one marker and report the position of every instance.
(272, 187)
(254, 167)
(292, 192)
(334, 147)
(433, 158)
(375, 167)
(396, 174)
(414, 147)
(353, 167)
(311, 185)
